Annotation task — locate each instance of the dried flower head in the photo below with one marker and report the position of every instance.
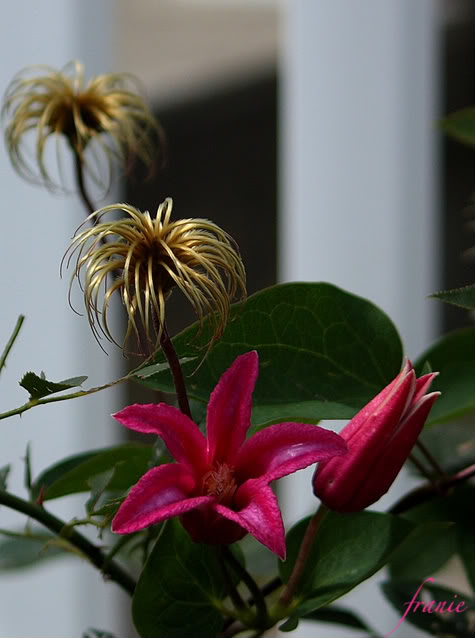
(107, 113)
(146, 258)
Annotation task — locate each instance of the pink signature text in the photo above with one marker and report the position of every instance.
(430, 607)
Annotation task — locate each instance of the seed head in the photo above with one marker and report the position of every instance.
(145, 258)
(108, 114)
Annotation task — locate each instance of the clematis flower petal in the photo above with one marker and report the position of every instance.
(258, 512)
(229, 408)
(284, 448)
(389, 464)
(181, 435)
(163, 492)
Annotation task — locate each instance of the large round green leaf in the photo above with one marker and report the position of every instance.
(324, 353)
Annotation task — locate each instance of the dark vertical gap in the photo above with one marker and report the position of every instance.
(221, 166)
(458, 165)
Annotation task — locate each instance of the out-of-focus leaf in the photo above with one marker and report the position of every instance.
(463, 297)
(452, 356)
(4, 472)
(427, 548)
(19, 550)
(460, 125)
(98, 483)
(39, 386)
(72, 475)
(97, 633)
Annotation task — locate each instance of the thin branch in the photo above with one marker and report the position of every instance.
(110, 569)
(65, 397)
(11, 341)
(430, 490)
(433, 462)
(177, 373)
(78, 165)
(261, 606)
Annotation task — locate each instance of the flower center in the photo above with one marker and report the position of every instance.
(220, 483)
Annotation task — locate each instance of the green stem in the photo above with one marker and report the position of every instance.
(11, 341)
(110, 569)
(422, 469)
(65, 397)
(302, 557)
(261, 606)
(239, 604)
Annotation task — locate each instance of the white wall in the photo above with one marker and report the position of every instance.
(65, 598)
(358, 179)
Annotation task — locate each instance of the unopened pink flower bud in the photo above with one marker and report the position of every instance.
(379, 438)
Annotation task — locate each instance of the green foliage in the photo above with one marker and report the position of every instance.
(334, 615)
(323, 352)
(444, 625)
(179, 572)
(426, 549)
(458, 509)
(19, 550)
(452, 355)
(39, 386)
(463, 297)
(460, 125)
(4, 472)
(74, 474)
(350, 549)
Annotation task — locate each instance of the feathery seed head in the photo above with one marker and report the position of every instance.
(107, 111)
(146, 258)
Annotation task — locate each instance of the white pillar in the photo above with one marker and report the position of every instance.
(65, 597)
(358, 174)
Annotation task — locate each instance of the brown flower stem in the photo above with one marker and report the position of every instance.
(302, 557)
(430, 490)
(177, 373)
(261, 606)
(79, 172)
(423, 449)
(110, 569)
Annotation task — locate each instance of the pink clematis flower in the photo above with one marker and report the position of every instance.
(220, 484)
(380, 438)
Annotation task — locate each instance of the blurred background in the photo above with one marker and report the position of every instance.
(305, 128)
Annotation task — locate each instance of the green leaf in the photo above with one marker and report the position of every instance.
(97, 633)
(324, 353)
(460, 125)
(21, 550)
(39, 386)
(448, 624)
(425, 550)
(453, 357)
(349, 549)
(452, 445)
(334, 614)
(98, 484)
(178, 587)
(4, 472)
(73, 474)
(155, 368)
(463, 297)
(457, 507)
